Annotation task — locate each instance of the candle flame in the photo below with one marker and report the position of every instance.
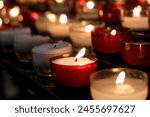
(90, 4)
(89, 28)
(51, 17)
(113, 32)
(136, 11)
(63, 19)
(121, 77)
(1, 4)
(59, 1)
(1, 21)
(80, 54)
(14, 12)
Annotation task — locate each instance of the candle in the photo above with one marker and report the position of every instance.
(59, 27)
(73, 71)
(135, 51)
(40, 26)
(136, 21)
(24, 43)
(107, 40)
(1, 4)
(80, 32)
(119, 84)
(89, 11)
(7, 37)
(43, 53)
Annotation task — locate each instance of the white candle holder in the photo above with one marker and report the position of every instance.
(105, 85)
(23, 45)
(7, 37)
(42, 54)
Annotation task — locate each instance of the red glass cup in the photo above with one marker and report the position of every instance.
(136, 51)
(73, 76)
(104, 41)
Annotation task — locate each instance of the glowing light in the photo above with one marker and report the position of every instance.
(136, 11)
(121, 77)
(14, 12)
(63, 19)
(90, 4)
(51, 17)
(1, 22)
(80, 54)
(89, 28)
(113, 32)
(59, 1)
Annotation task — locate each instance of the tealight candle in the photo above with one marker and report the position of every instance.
(119, 84)
(43, 53)
(136, 21)
(24, 43)
(73, 71)
(107, 40)
(7, 37)
(80, 32)
(58, 27)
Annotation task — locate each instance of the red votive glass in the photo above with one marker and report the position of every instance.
(136, 51)
(107, 39)
(72, 74)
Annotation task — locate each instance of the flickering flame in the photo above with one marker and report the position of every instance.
(59, 1)
(63, 19)
(89, 28)
(121, 77)
(136, 11)
(80, 54)
(14, 12)
(90, 4)
(51, 17)
(113, 32)
(1, 4)
(1, 21)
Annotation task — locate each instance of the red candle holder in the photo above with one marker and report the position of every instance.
(135, 51)
(107, 39)
(72, 76)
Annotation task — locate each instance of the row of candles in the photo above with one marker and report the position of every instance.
(78, 71)
(135, 18)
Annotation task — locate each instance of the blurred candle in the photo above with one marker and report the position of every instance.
(1, 4)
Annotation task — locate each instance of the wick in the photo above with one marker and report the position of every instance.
(75, 60)
(54, 46)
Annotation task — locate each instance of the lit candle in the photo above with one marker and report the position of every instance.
(43, 53)
(80, 33)
(88, 11)
(107, 40)
(136, 21)
(130, 84)
(1, 22)
(23, 45)
(73, 71)
(1, 4)
(59, 27)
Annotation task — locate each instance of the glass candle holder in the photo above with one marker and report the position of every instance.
(42, 53)
(58, 26)
(68, 72)
(80, 33)
(135, 50)
(23, 45)
(135, 18)
(119, 84)
(107, 40)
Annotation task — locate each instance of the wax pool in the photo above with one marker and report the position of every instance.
(106, 89)
(69, 72)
